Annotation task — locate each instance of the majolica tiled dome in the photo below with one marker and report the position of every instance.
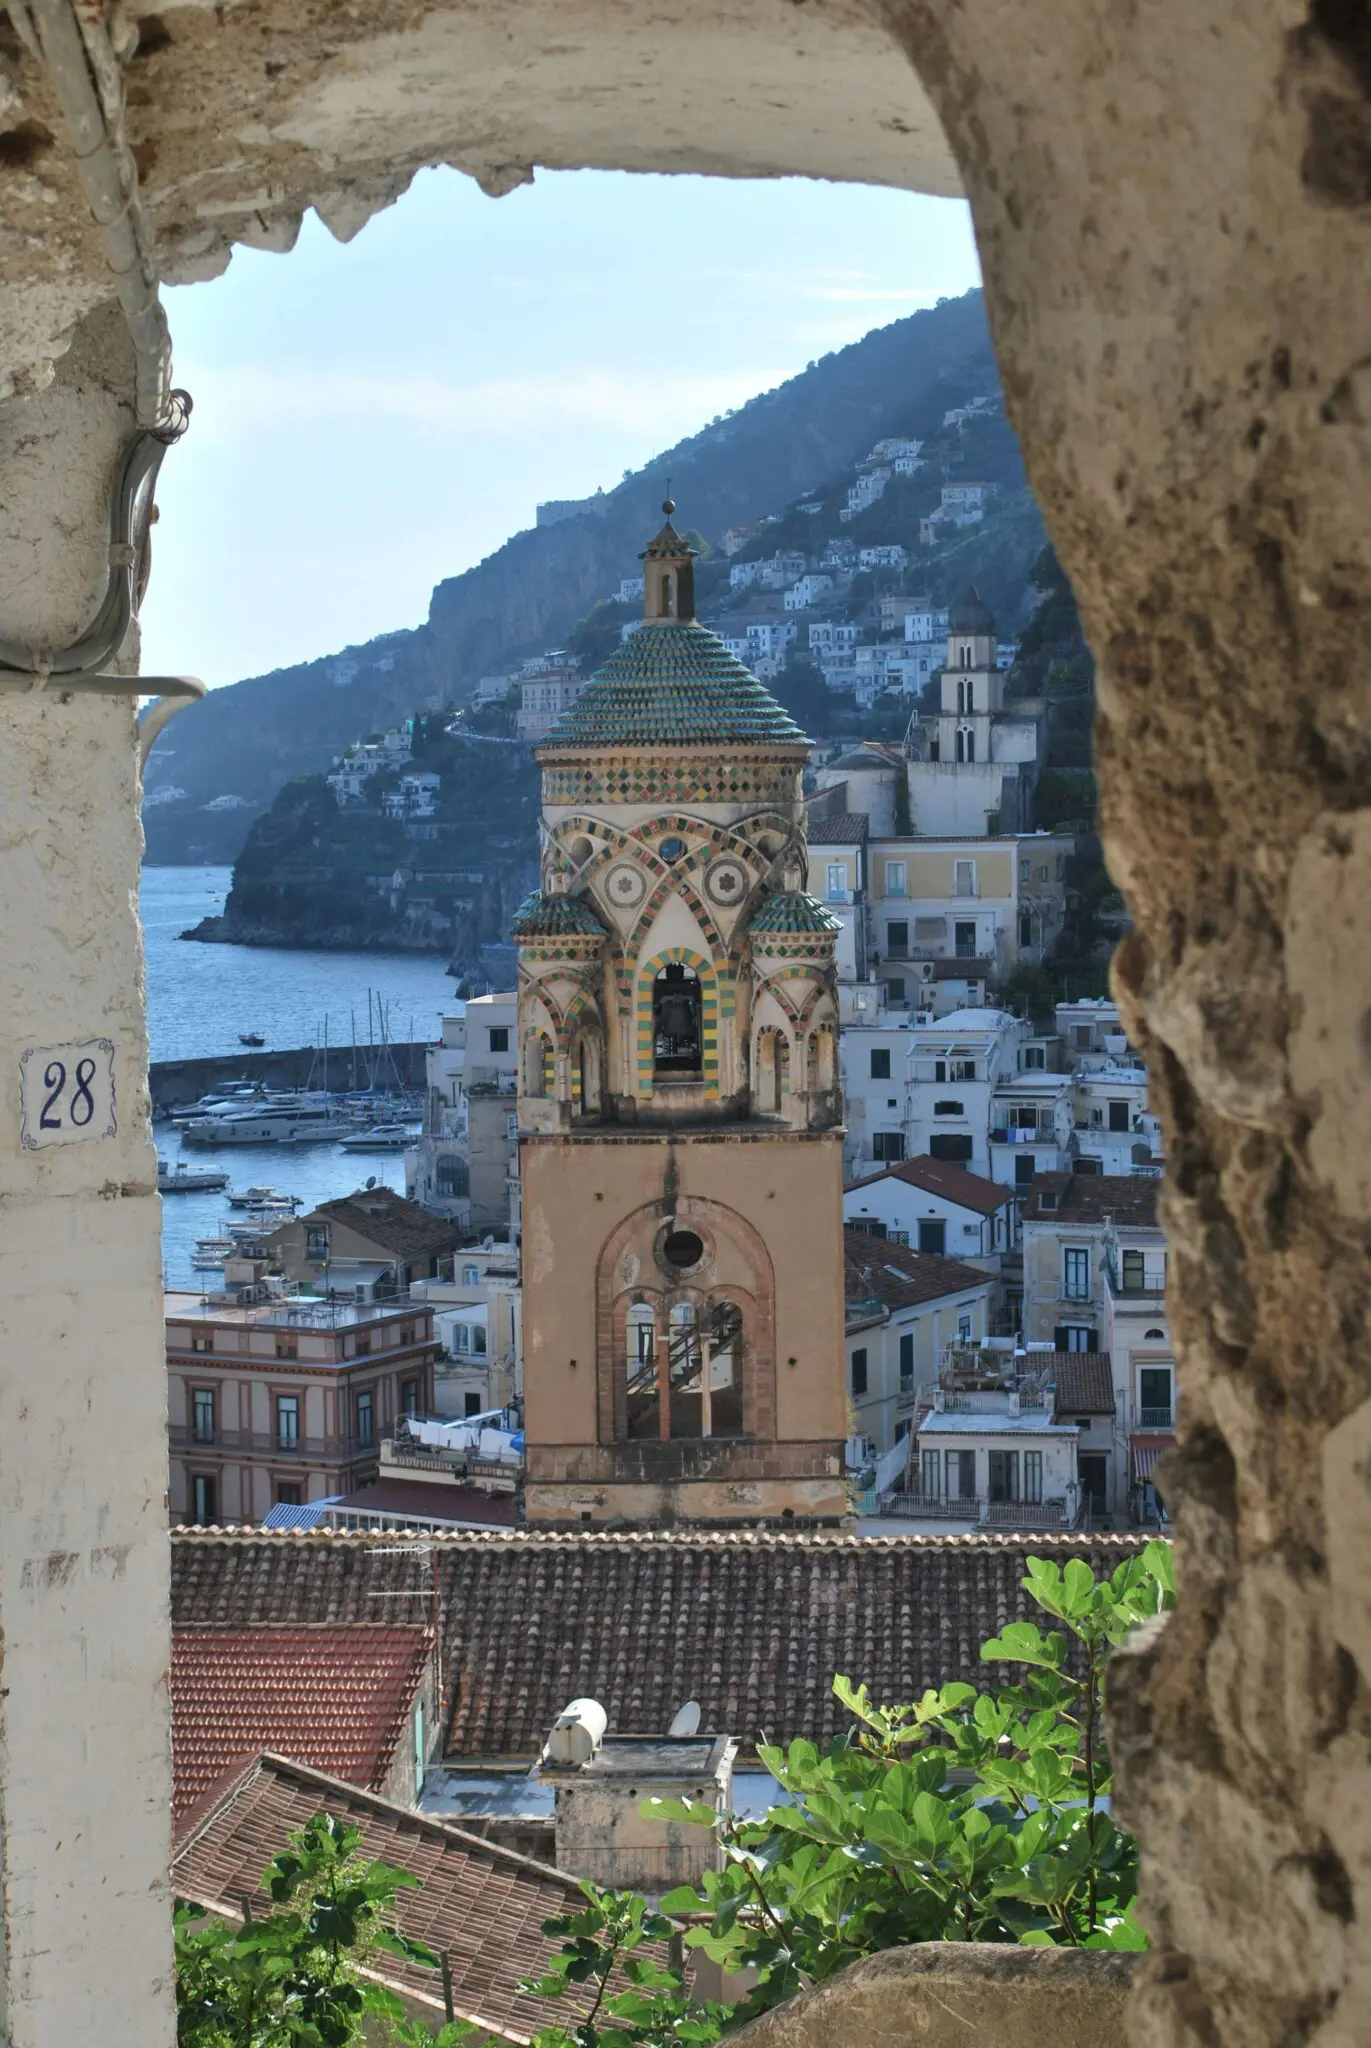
(790, 910)
(555, 917)
(671, 685)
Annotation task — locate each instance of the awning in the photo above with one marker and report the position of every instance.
(1143, 1453)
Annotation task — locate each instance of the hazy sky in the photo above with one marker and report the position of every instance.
(372, 418)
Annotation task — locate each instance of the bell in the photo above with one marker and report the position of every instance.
(676, 1017)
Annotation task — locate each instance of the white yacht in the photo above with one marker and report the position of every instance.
(296, 1123)
(381, 1138)
(261, 1196)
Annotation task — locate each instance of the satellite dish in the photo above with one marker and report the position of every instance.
(687, 1721)
(371, 1180)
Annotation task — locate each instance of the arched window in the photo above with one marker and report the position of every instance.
(451, 1176)
(961, 697)
(585, 1076)
(961, 744)
(724, 1369)
(643, 1402)
(767, 1101)
(782, 1069)
(668, 604)
(676, 1035)
(704, 1375)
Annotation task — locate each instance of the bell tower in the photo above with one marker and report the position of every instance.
(679, 1108)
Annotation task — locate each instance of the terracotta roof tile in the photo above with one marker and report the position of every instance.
(1084, 1380)
(338, 1698)
(899, 1277)
(1094, 1198)
(391, 1221)
(483, 1904)
(753, 1624)
(944, 1177)
(844, 828)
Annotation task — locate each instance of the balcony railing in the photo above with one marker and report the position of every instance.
(933, 1506)
(1156, 1418)
(268, 1443)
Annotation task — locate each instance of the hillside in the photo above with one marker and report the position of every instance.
(224, 761)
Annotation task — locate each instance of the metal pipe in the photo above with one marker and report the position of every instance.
(76, 55)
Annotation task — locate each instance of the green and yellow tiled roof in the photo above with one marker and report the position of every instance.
(673, 685)
(790, 910)
(555, 917)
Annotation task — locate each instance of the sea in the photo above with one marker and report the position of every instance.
(200, 998)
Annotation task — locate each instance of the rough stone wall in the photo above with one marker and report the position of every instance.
(1172, 204)
(957, 1995)
(85, 1778)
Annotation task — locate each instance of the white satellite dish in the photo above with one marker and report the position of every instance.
(687, 1721)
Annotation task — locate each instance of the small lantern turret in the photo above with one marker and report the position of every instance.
(668, 576)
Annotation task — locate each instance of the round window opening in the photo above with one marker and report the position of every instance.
(682, 1249)
(672, 849)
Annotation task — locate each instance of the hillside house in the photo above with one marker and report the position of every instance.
(903, 1308)
(887, 556)
(936, 1205)
(364, 1246)
(478, 1322)
(808, 591)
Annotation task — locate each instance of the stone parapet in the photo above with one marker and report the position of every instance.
(958, 1995)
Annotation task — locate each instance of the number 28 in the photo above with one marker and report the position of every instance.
(79, 1105)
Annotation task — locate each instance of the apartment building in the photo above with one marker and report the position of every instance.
(464, 1166)
(478, 1323)
(287, 1401)
(366, 1246)
(903, 1309)
(934, 1205)
(995, 900)
(1077, 1228)
(548, 686)
(919, 1084)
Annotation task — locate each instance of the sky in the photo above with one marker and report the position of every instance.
(372, 418)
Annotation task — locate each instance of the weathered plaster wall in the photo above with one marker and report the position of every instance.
(244, 113)
(84, 1740)
(1173, 205)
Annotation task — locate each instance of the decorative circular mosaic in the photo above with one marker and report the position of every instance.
(625, 886)
(672, 849)
(726, 882)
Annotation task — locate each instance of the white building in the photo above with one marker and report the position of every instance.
(416, 797)
(966, 503)
(770, 637)
(465, 1164)
(1032, 1127)
(889, 556)
(807, 592)
(630, 590)
(478, 1320)
(916, 1084)
(829, 637)
(869, 486)
(999, 1459)
(975, 761)
(837, 874)
(548, 687)
(928, 624)
(934, 1205)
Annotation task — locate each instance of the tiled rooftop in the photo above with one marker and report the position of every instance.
(844, 828)
(396, 1224)
(669, 685)
(1094, 1197)
(540, 916)
(482, 1905)
(899, 1277)
(789, 910)
(336, 1698)
(1084, 1380)
(752, 1624)
(944, 1177)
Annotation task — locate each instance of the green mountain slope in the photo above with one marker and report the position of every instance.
(224, 761)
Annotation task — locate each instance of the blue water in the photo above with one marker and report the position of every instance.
(201, 997)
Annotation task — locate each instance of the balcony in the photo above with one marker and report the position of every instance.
(265, 1443)
(1157, 1418)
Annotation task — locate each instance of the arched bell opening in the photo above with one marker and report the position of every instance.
(585, 1075)
(677, 1022)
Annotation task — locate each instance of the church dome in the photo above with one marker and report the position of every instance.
(555, 917)
(970, 614)
(790, 910)
(672, 684)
